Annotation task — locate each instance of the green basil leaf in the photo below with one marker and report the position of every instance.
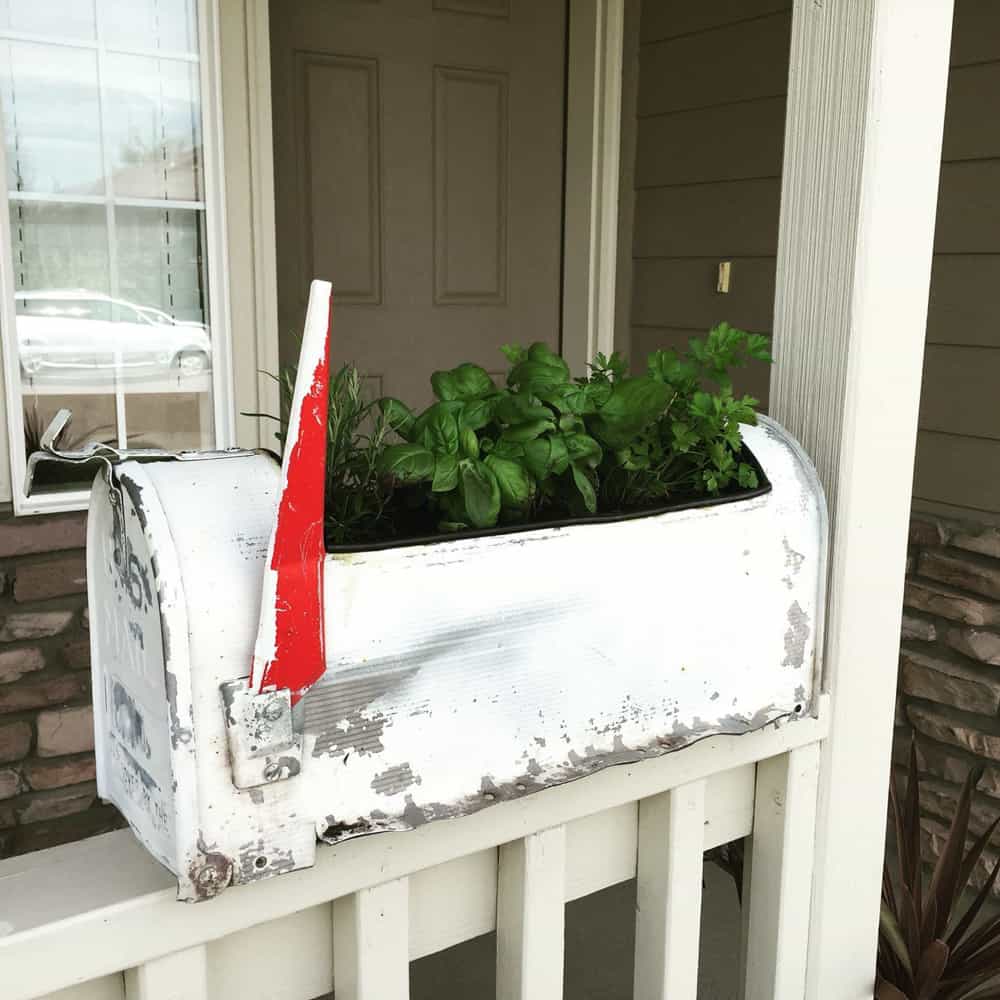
(559, 458)
(510, 449)
(586, 488)
(514, 353)
(469, 443)
(583, 450)
(476, 414)
(406, 463)
(445, 473)
(633, 405)
(529, 430)
(472, 382)
(480, 493)
(443, 384)
(397, 415)
(544, 355)
(535, 376)
(538, 456)
(466, 382)
(440, 430)
(517, 407)
(516, 485)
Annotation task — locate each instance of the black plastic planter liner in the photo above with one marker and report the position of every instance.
(684, 503)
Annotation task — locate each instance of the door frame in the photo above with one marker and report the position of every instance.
(595, 51)
(590, 210)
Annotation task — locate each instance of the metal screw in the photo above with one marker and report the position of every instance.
(274, 710)
(208, 877)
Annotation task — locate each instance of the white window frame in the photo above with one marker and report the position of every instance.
(216, 266)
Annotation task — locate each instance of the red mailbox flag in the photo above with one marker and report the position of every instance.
(289, 651)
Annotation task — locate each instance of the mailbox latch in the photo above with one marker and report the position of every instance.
(265, 745)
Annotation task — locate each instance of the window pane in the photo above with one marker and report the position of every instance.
(163, 25)
(177, 421)
(111, 297)
(161, 257)
(51, 122)
(153, 127)
(55, 18)
(58, 246)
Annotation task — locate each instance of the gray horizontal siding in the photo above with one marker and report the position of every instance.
(666, 18)
(729, 142)
(964, 303)
(737, 218)
(683, 289)
(711, 117)
(957, 471)
(736, 62)
(958, 446)
(976, 32)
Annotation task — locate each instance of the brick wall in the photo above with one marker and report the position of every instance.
(949, 677)
(47, 790)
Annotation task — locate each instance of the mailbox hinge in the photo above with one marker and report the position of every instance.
(264, 733)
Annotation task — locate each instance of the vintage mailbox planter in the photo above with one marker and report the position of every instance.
(448, 676)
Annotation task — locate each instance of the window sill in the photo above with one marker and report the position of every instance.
(52, 503)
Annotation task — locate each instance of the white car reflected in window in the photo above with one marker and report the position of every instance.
(77, 336)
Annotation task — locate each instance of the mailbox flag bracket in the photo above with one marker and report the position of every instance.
(265, 744)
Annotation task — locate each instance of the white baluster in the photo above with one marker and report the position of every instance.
(182, 975)
(783, 843)
(371, 951)
(668, 902)
(531, 907)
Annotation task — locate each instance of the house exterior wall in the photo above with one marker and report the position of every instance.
(707, 172)
(949, 684)
(958, 446)
(47, 790)
(706, 178)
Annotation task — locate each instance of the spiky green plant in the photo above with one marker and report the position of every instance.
(358, 499)
(930, 946)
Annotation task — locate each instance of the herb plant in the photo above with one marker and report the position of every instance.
(359, 506)
(549, 445)
(543, 446)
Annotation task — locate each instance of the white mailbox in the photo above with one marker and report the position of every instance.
(378, 690)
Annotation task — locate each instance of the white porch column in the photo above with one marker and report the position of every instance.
(862, 155)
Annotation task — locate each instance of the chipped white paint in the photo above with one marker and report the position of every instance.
(458, 673)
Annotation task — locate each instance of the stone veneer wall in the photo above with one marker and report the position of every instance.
(949, 677)
(47, 790)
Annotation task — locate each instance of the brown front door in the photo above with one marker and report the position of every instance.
(418, 167)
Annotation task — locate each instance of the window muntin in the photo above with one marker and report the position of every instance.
(105, 170)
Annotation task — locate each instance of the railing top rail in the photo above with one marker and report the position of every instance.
(81, 898)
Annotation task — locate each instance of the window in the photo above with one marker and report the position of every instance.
(107, 305)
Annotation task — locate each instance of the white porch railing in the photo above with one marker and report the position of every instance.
(99, 919)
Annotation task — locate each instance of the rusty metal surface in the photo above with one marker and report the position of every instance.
(457, 675)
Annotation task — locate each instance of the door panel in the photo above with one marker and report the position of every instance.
(419, 167)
